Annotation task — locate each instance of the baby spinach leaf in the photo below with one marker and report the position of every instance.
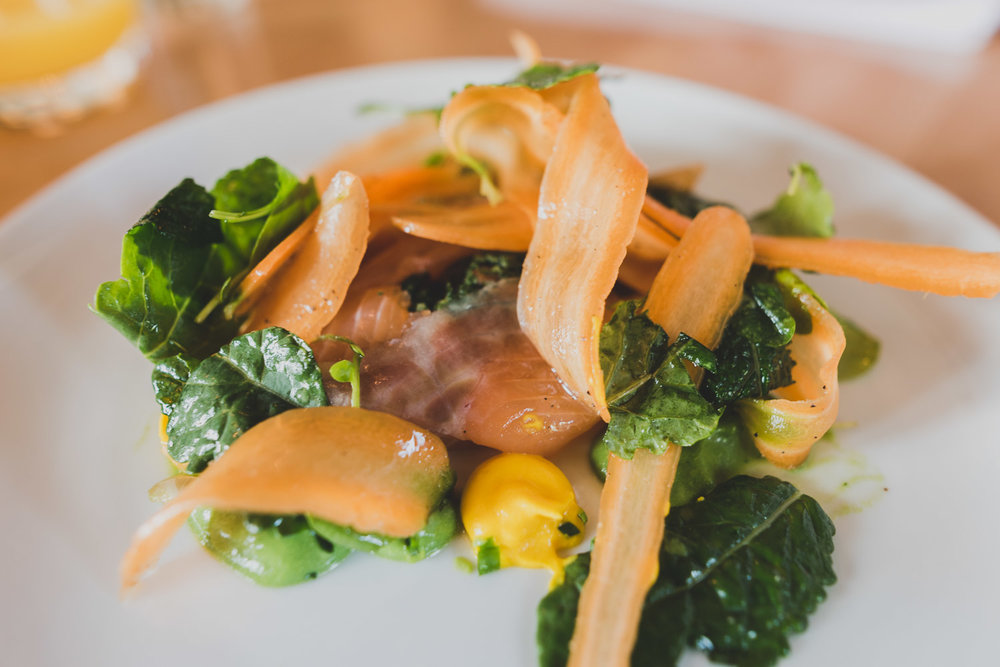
(270, 550)
(441, 526)
(259, 205)
(179, 264)
(739, 572)
(171, 267)
(652, 399)
(256, 376)
(752, 356)
(169, 378)
(804, 209)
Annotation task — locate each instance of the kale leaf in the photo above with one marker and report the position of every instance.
(256, 376)
(179, 263)
(752, 357)
(739, 572)
(804, 209)
(705, 464)
(652, 399)
(463, 278)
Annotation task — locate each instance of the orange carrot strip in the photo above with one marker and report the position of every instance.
(785, 428)
(651, 241)
(252, 285)
(935, 269)
(311, 287)
(696, 291)
(939, 270)
(510, 130)
(367, 470)
(589, 205)
(481, 226)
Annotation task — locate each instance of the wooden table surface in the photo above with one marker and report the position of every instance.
(936, 114)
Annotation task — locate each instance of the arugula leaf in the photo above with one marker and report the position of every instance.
(256, 376)
(705, 464)
(463, 278)
(739, 572)
(652, 399)
(546, 75)
(270, 550)
(441, 526)
(804, 209)
(752, 356)
(259, 205)
(179, 264)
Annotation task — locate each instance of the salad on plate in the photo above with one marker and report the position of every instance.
(503, 275)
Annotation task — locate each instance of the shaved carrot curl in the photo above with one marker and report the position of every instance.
(938, 270)
(696, 291)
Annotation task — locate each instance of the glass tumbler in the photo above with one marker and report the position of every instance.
(62, 58)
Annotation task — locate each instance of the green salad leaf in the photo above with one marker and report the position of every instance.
(739, 572)
(752, 357)
(179, 264)
(270, 550)
(546, 75)
(804, 209)
(652, 399)
(702, 466)
(169, 378)
(463, 278)
(259, 205)
(256, 376)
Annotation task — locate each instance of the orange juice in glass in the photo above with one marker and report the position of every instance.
(59, 58)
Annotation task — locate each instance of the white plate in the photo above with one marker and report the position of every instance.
(918, 577)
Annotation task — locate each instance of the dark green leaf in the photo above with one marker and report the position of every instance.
(270, 550)
(739, 572)
(166, 283)
(804, 209)
(652, 399)
(169, 378)
(546, 75)
(704, 465)
(441, 526)
(256, 376)
(752, 356)
(259, 205)
(179, 265)
(462, 279)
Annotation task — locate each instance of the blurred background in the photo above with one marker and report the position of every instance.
(918, 80)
